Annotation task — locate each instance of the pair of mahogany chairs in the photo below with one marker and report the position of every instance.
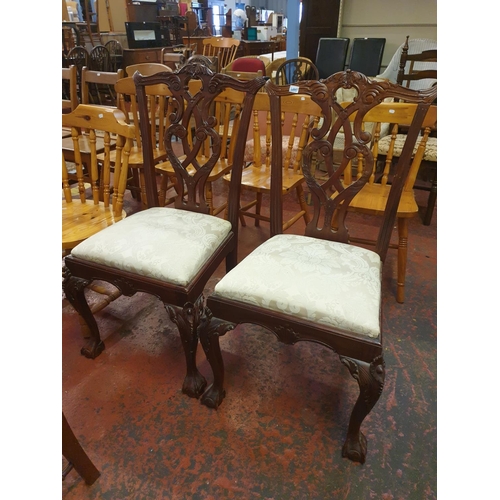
(314, 287)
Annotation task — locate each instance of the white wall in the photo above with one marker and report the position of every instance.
(390, 19)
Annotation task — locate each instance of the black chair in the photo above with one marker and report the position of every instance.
(366, 55)
(331, 55)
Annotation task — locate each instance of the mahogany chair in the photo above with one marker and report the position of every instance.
(296, 70)
(75, 455)
(227, 112)
(299, 115)
(221, 47)
(170, 252)
(319, 287)
(79, 57)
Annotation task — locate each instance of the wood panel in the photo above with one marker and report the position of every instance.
(320, 19)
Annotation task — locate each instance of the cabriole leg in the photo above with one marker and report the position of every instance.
(74, 289)
(187, 320)
(370, 378)
(210, 330)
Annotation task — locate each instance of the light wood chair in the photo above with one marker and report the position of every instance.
(70, 89)
(158, 98)
(147, 69)
(96, 200)
(319, 287)
(170, 252)
(372, 198)
(221, 47)
(98, 87)
(299, 114)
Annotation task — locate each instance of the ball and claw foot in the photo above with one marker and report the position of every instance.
(92, 349)
(213, 397)
(194, 385)
(355, 448)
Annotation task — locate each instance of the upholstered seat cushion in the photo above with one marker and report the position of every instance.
(167, 244)
(430, 153)
(250, 154)
(317, 280)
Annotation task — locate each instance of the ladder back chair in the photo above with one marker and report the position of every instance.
(319, 287)
(170, 252)
(299, 114)
(221, 47)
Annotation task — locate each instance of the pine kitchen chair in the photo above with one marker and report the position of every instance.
(319, 287)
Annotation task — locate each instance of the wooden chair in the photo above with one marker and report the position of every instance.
(299, 114)
(115, 50)
(296, 70)
(96, 201)
(319, 287)
(79, 57)
(164, 251)
(417, 66)
(245, 68)
(147, 69)
(419, 69)
(221, 47)
(99, 59)
(69, 89)
(227, 111)
(75, 455)
(98, 87)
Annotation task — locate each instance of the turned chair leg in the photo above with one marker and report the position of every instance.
(370, 378)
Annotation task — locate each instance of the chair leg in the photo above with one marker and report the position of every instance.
(74, 289)
(76, 456)
(370, 379)
(210, 330)
(402, 257)
(187, 319)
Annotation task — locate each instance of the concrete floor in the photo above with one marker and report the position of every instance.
(279, 432)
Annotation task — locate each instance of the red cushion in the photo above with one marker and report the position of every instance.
(249, 64)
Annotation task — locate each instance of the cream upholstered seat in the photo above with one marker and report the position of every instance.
(168, 245)
(319, 287)
(294, 275)
(430, 152)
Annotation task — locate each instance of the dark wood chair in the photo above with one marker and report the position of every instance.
(115, 50)
(421, 67)
(319, 287)
(99, 58)
(77, 459)
(296, 70)
(164, 251)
